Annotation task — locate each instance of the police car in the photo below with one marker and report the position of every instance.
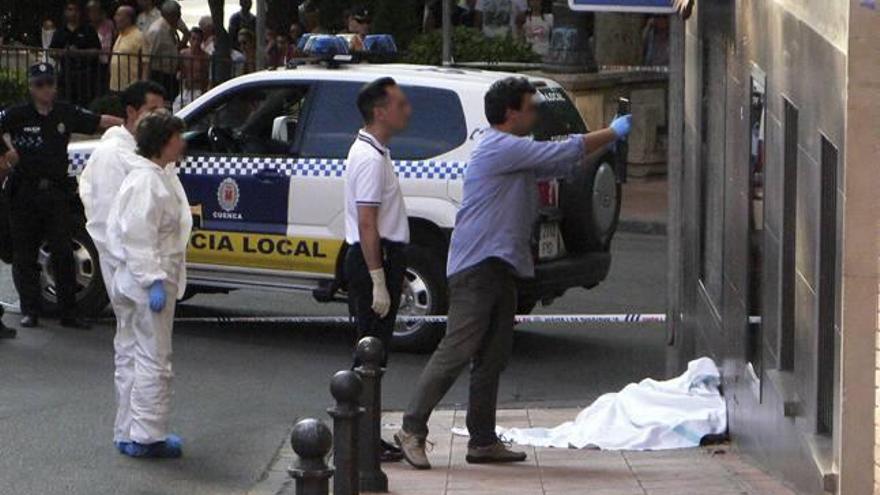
(264, 178)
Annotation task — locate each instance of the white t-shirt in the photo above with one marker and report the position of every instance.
(370, 181)
(537, 31)
(499, 16)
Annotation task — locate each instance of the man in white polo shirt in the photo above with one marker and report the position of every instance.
(376, 226)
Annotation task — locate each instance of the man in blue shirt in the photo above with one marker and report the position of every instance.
(490, 249)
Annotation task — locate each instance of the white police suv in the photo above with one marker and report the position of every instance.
(264, 176)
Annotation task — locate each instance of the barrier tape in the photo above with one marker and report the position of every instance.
(555, 319)
(558, 319)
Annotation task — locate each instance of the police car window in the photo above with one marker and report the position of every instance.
(254, 121)
(557, 116)
(436, 127)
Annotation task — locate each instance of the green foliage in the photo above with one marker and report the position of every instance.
(469, 45)
(13, 87)
(401, 18)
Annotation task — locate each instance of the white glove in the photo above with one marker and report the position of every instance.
(381, 299)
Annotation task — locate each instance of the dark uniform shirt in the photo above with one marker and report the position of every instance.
(84, 37)
(41, 140)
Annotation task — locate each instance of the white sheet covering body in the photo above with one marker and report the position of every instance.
(649, 415)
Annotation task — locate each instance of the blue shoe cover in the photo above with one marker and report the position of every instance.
(171, 448)
(121, 445)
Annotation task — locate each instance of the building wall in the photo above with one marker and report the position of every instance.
(772, 371)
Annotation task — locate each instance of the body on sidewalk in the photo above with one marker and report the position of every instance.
(490, 250)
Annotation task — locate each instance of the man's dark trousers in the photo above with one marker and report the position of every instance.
(41, 211)
(482, 307)
(360, 291)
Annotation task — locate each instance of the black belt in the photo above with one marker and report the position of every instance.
(388, 247)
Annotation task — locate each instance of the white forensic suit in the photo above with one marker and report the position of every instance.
(148, 229)
(100, 181)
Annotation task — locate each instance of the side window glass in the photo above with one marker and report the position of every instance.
(436, 127)
(252, 121)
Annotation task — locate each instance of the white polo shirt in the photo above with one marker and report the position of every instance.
(370, 181)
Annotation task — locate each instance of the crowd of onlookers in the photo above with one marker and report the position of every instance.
(108, 49)
(99, 50)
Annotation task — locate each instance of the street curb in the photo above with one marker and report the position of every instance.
(641, 227)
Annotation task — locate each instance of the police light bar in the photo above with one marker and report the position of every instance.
(632, 6)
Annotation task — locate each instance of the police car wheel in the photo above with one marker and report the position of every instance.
(424, 293)
(591, 206)
(91, 297)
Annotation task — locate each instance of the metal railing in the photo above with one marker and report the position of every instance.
(86, 76)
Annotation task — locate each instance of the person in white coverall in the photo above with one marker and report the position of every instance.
(98, 185)
(148, 229)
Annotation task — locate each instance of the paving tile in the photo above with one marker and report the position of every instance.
(701, 471)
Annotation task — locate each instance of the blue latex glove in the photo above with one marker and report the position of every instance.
(157, 296)
(621, 126)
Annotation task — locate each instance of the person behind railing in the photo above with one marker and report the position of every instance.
(150, 13)
(283, 51)
(106, 34)
(241, 20)
(359, 23)
(538, 27)
(245, 58)
(79, 62)
(294, 33)
(310, 15)
(162, 42)
(47, 32)
(194, 76)
(206, 24)
(127, 63)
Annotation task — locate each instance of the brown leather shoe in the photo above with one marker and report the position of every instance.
(413, 448)
(498, 452)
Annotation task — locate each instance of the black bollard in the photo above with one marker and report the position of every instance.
(370, 354)
(311, 440)
(346, 387)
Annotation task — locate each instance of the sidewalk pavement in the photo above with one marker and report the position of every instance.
(712, 470)
(644, 206)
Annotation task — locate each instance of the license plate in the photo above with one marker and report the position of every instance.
(548, 242)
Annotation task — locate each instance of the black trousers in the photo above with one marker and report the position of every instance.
(41, 212)
(360, 291)
(479, 333)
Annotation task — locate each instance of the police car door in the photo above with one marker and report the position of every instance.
(241, 149)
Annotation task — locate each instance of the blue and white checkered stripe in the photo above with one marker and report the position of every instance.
(297, 167)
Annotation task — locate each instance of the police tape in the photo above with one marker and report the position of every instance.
(336, 320)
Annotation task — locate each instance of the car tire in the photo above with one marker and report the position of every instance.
(424, 294)
(591, 207)
(91, 295)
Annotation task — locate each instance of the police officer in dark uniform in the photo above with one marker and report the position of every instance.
(35, 135)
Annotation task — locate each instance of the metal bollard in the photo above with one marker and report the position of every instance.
(346, 388)
(311, 440)
(370, 354)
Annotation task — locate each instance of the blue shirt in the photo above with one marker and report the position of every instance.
(500, 202)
